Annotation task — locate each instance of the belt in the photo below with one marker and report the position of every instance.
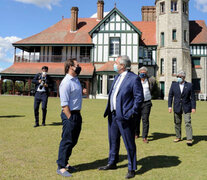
(147, 101)
(75, 112)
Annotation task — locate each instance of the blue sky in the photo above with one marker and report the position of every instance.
(23, 18)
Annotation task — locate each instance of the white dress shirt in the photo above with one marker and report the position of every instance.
(181, 87)
(146, 90)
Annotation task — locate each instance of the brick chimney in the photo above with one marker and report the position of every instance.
(100, 10)
(148, 13)
(74, 19)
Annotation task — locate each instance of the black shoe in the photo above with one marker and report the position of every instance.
(43, 124)
(36, 125)
(130, 174)
(108, 167)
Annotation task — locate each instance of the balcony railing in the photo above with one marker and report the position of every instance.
(52, 58)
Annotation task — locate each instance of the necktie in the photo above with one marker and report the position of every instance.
(112, 93)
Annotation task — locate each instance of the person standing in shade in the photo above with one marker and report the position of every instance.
(184, 103)
(125, 97)
(71, 101)
(42, 83)
(144, 112)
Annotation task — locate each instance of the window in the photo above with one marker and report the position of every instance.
(162, 39)
(185, 35)
(196, 84)
(114, 46)
(85, 51)
(173, 6)
(174, 34)
(185, 7)
(174, 66)
(196, 62)
(162, 67)
(162, 7)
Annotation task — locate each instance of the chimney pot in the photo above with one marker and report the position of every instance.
(74, 19)
(100, 9)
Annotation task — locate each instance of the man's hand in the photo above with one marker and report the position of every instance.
(84, 91)
(40, 81)
(169, 110)
(67, 112)
(45, 85)
(193, 111)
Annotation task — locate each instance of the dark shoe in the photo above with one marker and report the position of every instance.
(108, 167)
(65, 174)
(145, 140)
(71, 169)
(130, 174)
(36, 125)
(43, 124)
(189, 142)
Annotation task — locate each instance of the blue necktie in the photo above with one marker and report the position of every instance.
(113, 91)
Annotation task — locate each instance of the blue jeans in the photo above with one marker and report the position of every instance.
(70, 133)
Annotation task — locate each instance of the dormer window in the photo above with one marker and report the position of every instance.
(174, 7)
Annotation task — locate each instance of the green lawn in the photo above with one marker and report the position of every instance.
(31, 153)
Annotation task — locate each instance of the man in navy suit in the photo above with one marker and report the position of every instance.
(124, 100)
(184, 103)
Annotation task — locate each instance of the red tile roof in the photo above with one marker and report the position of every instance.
(148, 29)
(198, 32)
(109, 66)
(54, 68)
(60, 33)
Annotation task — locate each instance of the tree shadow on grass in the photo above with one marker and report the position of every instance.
(96, 164)
(160, 161)
(12, 116)
(157, 135)
(55, 124)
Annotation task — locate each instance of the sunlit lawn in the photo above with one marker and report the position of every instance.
(31, 153)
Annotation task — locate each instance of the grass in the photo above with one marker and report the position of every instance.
(31, 153)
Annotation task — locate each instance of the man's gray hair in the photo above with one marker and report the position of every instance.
(125, 61)
(181, 73)
(143, 68)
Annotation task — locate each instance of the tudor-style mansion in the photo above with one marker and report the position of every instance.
(165, 41)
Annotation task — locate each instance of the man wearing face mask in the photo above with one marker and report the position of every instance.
(125, 97)
(184, 103)
(148, 84)
(71, 102)
(42, 83)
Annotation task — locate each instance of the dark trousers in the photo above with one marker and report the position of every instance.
(126, 129)
(144, 113)
(40, 97)
(70, 133)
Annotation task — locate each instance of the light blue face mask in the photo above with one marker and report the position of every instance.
(179, 80)
(115, 68)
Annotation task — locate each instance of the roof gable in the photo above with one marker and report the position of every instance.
(111, 17)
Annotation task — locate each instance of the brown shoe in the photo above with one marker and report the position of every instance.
(177, 140)
(145, 140)
(189, 142)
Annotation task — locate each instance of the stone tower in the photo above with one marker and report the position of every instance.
(172, 34)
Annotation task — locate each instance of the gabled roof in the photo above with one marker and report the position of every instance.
(28, 68)
(60, 33)
(198, 32)
(109, 66)
(121, 15)
(148, 29)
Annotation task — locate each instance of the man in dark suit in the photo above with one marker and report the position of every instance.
(42, 82)
(124, 100)
(184, 103)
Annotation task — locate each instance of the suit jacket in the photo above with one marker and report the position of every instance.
(129, 97)
(185, 101)
(36, 79)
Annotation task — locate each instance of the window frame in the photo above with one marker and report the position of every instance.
(114, 50)
(174, 66)
(174, 6)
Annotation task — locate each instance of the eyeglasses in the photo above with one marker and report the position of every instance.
(179, 76)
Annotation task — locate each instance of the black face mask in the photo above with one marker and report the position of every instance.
(78, 70)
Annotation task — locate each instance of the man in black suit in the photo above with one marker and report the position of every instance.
(125, 98)
(42, 82)
(184, 103)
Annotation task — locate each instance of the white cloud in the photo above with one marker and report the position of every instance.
(95, 15)
(201, 5)
(41, 3)
(6, 48)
